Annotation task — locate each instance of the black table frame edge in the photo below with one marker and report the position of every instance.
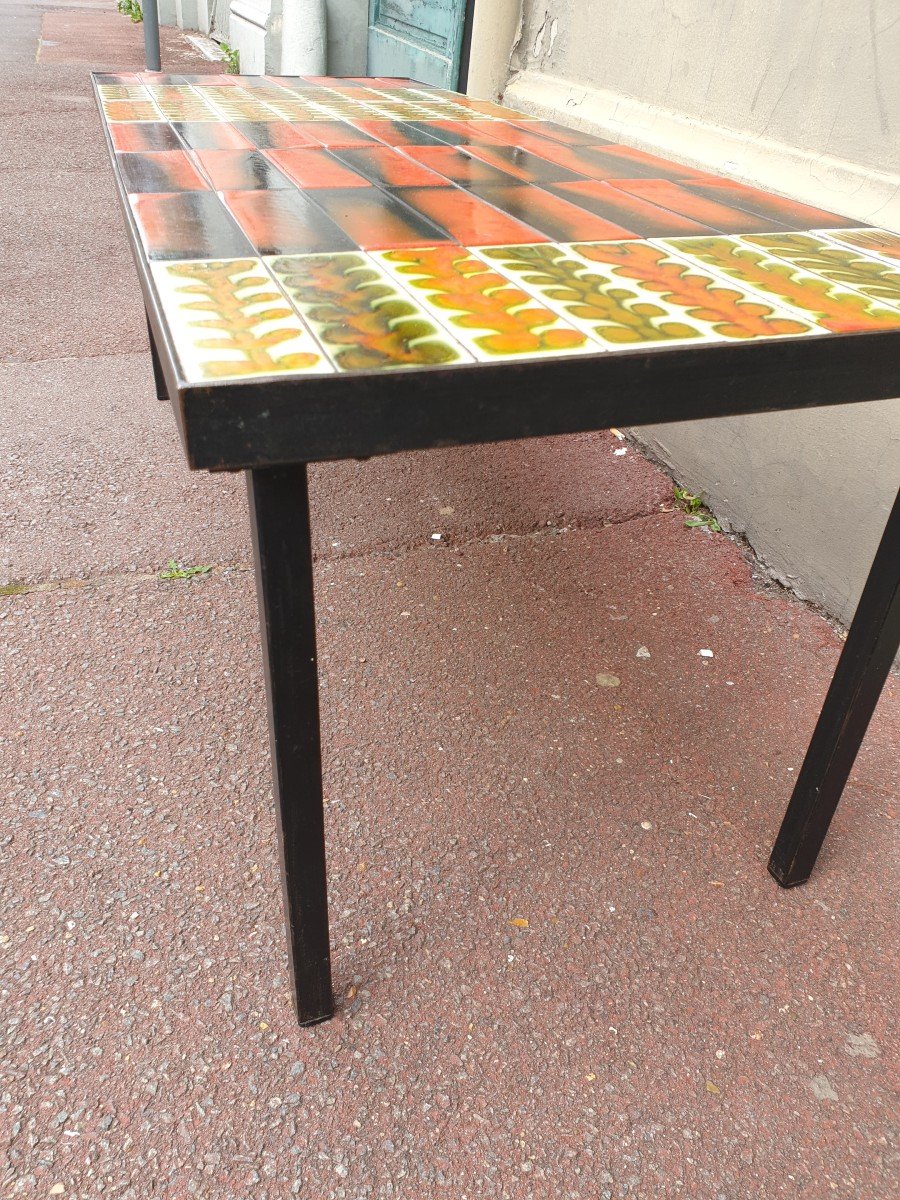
(265, 428)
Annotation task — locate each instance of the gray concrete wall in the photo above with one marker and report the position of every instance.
(811, 490)
(803, 97)
(822, 75)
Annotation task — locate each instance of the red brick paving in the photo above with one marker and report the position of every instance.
(669, 1023)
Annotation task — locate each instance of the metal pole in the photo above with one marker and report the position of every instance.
(151, 35)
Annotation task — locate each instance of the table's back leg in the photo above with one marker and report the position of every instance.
(159, 379)
(862, 669)
(279, 516)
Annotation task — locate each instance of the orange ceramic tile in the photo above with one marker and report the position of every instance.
(453, 133)
(528, 167)
(640, 164)
(535, 141)
(640, 216)
(458, 166)
(240, 170)
(557, 218)
(145, 135)
(183, 225)
(681, 199)
(210, 135)
(377, 220)
(334, 133)
(557, 133)
(471, 221)
(315, 169)
(282, 221)
(764, 204)
(395, 133)
(386, 166)
(166, 171)
(273, 135)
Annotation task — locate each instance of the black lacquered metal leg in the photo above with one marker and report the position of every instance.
(279, 516)
(158, 378)
(862, 669)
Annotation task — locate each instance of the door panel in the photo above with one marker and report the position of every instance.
(418, 39)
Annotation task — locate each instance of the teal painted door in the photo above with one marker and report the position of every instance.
(418, 39)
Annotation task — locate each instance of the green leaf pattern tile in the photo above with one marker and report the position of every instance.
(867, 275)
(230, 320)
(880, 242)
(835, 307)
(492, 317)
(362, 318)
(611, 315)
(626, 298)
(715, 305)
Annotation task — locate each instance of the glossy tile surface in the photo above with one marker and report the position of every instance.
(296, 225)
(864, 274)
(230, 319)
(383, 167)
(240, 170)
(376, 220)
(494, 318)
(163, 171)
(466, 218)
(145, 135)
(684, 200)
(881, 242)
(177, 225)
(458, 166)
(361, 316)
(285, 222)
(832, 305)
(558, 219)
(630, 212)
(315, 168)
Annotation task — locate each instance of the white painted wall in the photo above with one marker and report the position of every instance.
(799, 96)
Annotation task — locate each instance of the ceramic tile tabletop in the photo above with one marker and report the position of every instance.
(296, 226)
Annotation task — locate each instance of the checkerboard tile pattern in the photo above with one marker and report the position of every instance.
(305, 225)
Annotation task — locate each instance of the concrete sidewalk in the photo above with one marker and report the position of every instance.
(667, 1023)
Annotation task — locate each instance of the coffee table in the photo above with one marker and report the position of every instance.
(338, 268)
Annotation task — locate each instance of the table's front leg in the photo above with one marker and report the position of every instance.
(862, 669)
(279, 516)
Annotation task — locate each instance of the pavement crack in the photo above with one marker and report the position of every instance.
(449, 542)
(21, 587)
(118, 579)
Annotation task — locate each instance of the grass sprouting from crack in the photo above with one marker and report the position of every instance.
(176, 570)
(698, 515)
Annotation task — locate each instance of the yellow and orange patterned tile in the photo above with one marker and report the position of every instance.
(831, 304)
(882, 242)
(481, 307)
(850, 268)
(361, 316)
(230, 320)
(632, 293)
